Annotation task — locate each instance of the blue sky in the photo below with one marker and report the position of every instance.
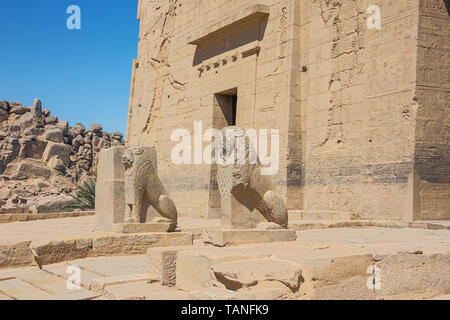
(80, 75)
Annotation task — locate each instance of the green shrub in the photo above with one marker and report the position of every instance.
(84, 198)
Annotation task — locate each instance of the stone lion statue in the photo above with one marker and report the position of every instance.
(243, 178)
(142, 182)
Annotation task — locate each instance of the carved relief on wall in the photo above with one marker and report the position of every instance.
(284, 16)
(162, 70)
(341, 75)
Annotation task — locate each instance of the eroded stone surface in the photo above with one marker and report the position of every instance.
(248, 273)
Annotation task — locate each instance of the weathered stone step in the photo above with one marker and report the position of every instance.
(49, 252)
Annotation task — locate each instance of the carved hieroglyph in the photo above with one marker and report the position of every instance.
(243, 179)
(142, 182)
(161, 66)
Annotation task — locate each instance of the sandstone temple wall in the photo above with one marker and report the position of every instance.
(432, 162)
(176, 83)
(360, 145)
(361, 112)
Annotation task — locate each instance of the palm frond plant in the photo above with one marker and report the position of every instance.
(85, 197)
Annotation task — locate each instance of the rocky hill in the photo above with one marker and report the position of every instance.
(43, 159)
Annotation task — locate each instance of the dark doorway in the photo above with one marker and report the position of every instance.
(225, 109)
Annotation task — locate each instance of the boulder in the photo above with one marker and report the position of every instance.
(19, 110)
(5, 194)
(32, 149)
(78, 129)
(57, 164)
(53, 203)
(36, 110)
(117, 136)
(117, 143)
(12, 140)
(3, 115)
(45, 113)
(27, 169)
(95, 127)
(33, 131)
(42, 184)
(59, 150)
(64, 126)
(4, 105)
(26, 120)
(51, 120)
(54, 135)
(95, 142)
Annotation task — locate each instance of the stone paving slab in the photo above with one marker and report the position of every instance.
(100, 285)
(11, 233)
(70, 228)
(78, 295)
(5, 297)
(62, 271)
(144, 291)
(49, 283)
(115, 266)
(20, 290)
(379, 240)
(96, 271)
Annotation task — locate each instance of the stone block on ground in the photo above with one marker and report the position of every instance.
(52, 203)
(222, 238)
(63, 250)
(109, 203)
(194, 267)
(162, 264)
(133, 244)
(236, 275)
(15, 255)
(144, 227)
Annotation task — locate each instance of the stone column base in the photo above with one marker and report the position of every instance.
(229, 237)
(144, 227)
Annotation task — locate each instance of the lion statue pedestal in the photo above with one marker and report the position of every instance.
(251, 209)
(127, 188)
